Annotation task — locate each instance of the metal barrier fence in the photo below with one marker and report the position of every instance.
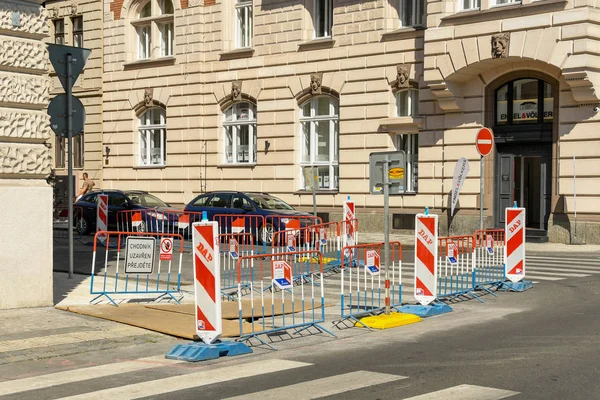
(489, 258)
(232, 247)
(241, 223)
(277, 223)
(455, 266)
(134, 272)
(60, 222)
(325, 238)
(278, 302)
(362, 292)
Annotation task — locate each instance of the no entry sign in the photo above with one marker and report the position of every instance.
(484, 141)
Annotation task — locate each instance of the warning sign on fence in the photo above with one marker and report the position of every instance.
(282, 274)
(373, 263)
(139, 255)
(166, 249)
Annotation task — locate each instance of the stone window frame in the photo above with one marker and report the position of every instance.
(155, 23)
(412, 89)
(151, 127)
(414, 16)
(77, 33)
(334, 140)
(59, 34)
(237, 124)
(327, 7)
(310, 40)
(230, 31)
(60, 152)
(247, 8)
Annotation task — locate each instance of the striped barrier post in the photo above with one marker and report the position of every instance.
(277, 301)
(350, 224)
(207, 287)
(514, 251)
(363, 289)
(426, 269)
(488, 259)
(131, 267)
(102, 217)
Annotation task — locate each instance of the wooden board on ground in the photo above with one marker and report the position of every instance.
(171, 323)
(230, 309)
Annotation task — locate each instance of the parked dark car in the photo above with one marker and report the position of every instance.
(277, 213)
(152, 211)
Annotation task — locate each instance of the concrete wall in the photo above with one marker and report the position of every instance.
(25, 198)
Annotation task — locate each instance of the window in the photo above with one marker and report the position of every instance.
(524, 101)
(59, 31)
(200, 201)
(243, 13)
(323, 18)
(409, 143)
(155, 17)
(90, 198)
(240, 134)
(78, 151)
(411, 12)
(219, 201)
(407, 103)
(77, 23)
(241, 202)
(153, 141)
(470, 4)
(319, 147)
(116, 200)
(59, 152)
(498, 2)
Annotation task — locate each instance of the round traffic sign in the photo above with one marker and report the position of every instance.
(484, 142)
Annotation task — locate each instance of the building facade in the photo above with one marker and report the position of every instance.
(25, 159)
(260, 95)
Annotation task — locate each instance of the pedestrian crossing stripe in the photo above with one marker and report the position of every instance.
(467, 392)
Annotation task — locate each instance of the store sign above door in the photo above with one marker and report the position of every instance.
(387, 166)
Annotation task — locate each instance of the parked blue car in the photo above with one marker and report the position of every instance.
(152, 211)
(277, 213)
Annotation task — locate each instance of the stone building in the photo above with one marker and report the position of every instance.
(25, 160)
(203, 95)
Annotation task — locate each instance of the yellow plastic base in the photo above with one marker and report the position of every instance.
(388, 321)
(326, 260)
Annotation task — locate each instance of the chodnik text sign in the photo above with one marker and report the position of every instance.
(139, 255)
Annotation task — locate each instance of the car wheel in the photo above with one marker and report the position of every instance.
(82, 225)
(265, 234)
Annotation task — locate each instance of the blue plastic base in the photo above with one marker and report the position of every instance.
(194, 352)
(426, 311)
(517, 286)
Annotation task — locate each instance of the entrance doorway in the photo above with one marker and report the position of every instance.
(524, 178)
(523, 129)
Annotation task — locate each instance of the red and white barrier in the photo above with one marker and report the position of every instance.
(514, 251)
(426, 255)
(350, 230)
(102, 216)
(207, 280)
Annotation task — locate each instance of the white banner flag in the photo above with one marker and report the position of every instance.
(460, 174)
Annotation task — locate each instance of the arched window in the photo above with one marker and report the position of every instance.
(319, 142)
(152, 138)
(407, 102)
(524, 101)
(239, 128)
(157, 13)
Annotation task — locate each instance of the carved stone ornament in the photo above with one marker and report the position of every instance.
(316, 80)
(73, 7)
(402, 76)
(54, 12)
(500, 43)
(148, 92)
(236, 90)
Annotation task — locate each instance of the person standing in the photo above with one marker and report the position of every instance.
(86, 187)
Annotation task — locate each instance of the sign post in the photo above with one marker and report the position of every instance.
(484, 142)
(68, 62)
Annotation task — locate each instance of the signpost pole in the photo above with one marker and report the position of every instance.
(481, 171)
(386, 229)
(69, 91)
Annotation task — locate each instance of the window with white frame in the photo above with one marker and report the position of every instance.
(155, 17)
(407, 102)
(243, 27)
(319, 143)
(411, 12)
(59, 31)
(152, 138)
(239, 128)
(470, 4)
(409, 143)
(322, 18)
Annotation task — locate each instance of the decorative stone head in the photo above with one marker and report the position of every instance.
(236, 90)
(54, 12)
(73, 8)
(315, 82)
(148, 96)
(402, 76)
(500, 44)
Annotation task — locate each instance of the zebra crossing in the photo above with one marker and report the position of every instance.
(195, 382)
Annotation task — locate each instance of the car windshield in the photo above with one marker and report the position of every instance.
(146, 199)
(269, 202)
